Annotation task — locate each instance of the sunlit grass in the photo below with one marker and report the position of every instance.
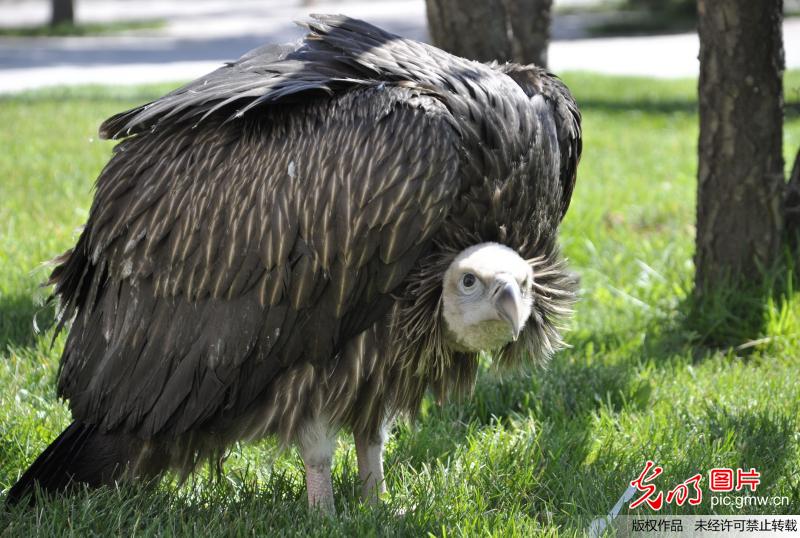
(542, 452)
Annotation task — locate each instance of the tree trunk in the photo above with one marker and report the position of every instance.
(530, 28)
(740, 177)
(484, 30)
(62, 12)
(793, 204)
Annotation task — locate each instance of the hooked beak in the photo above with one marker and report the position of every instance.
(508, 302)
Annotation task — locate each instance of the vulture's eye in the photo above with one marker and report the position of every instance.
(469, 282)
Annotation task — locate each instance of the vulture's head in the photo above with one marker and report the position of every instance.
(486, 297)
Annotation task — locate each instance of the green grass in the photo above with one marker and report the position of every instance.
(82, 29)
(538, 452)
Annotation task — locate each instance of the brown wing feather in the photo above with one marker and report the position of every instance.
(536, 81)
(217, 255)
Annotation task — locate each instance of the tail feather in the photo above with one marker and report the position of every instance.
(80, 455)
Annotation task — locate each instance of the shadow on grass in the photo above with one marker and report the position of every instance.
(20, 315)
(742, 440)
(567, 388)
(754, 430)
(91, 29)
(206, 507)
(735, 311)
(650, 106)
(549, 416)
(660, 106)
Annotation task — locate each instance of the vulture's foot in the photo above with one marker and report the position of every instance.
(320, 488)
(316, 441)
(369, 451)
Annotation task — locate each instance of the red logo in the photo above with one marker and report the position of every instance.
(680, 493)
(750, 478)
(720, 479)
(649, 489)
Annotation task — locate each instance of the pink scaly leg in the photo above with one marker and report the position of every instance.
(316, 441)
(369, 451)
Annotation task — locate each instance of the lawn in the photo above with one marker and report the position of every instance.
(543, 451)
(82, 29)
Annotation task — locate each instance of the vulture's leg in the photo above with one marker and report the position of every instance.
(316, 441)
(369, 451)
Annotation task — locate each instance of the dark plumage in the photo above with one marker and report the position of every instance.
(266, 251)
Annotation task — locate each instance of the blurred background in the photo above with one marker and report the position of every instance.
(138, 41)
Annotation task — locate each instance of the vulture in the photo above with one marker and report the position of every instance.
(309, 239)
